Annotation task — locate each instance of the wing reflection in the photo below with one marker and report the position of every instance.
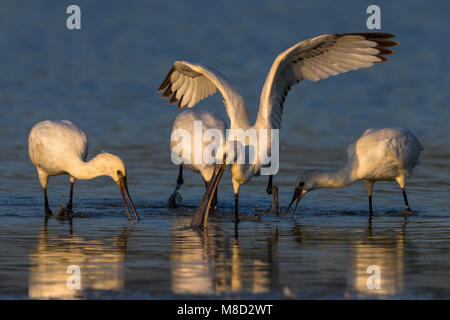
(213, 262)
(101, 264)
(385, 251)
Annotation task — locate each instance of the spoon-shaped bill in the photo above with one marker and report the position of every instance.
(298, 194)
(200, 217)
(123, 187)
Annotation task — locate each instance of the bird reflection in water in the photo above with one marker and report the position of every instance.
(213, 261)
(385, 251)
(101, 264)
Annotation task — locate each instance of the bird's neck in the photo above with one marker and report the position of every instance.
(337, 179)
(237, 113)
(87, 170)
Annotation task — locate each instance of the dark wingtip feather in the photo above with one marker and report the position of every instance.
(179, 106)
(384, 51)
(369, 35)
(382, 58)
(174, 99)
(166, 81)
(380, 35)
(387, 43)
(168, 91)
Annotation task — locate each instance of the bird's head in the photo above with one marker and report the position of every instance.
(113, 166)
(307, 180)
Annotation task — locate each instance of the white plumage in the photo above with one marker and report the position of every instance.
(54, 146)
(378, 155)
(60, 147)
(313, 59)
(185, 121)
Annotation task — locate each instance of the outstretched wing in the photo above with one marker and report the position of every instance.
(316, 59)
(188, 83)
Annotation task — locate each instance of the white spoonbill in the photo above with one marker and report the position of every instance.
(378, 155)
(60, 147)
(185, 121)
(312, 59)
(209, 120)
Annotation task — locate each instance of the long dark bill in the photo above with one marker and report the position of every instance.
(297, 195)
(200, 217)
(123, 186)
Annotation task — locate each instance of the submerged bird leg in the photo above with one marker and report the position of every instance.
(69, 204)
(273, 190)
(269, 185)
(236, 207)
(369, 187)
(45, 222)
(406, 200)
(48, 212)
(172, 202)
(275, 199)
(269, 191)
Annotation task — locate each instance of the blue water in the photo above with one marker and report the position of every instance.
(104, 78)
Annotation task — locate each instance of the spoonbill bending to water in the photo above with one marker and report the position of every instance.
(209, 120)
(378, 155)
(312, 59)
(185, 121)
(60, 147)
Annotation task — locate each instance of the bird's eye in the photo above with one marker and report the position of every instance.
(119, 172)
(301, 184)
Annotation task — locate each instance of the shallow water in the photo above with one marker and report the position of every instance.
(104, 78)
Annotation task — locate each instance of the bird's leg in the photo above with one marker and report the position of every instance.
(48, 212)
(401, 181)
(180, 176)
(172, 203)
(406, 200)
(273, 190)
(275, 199)
(369, 187)
(236, 207)
(69, 204)
(269, 185)
(269, 192)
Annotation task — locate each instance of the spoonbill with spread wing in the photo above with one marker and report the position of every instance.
(313, 59)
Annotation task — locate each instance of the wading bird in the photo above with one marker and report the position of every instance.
(60, 147)
(185, 121)
(313, 59)
(209, 120)
(378, 155)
